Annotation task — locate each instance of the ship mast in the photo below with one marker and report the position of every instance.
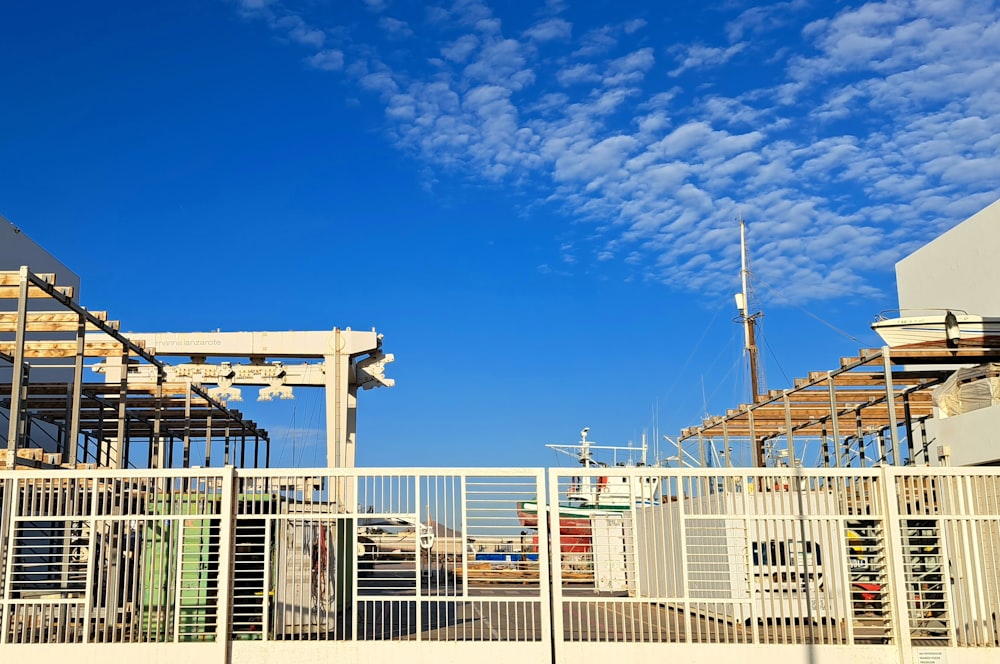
(585, 457)
(749, 334)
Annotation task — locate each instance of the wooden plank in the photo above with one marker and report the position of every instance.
(874, 379)
(62, 349)
(32, 453)
(13, 292)
(48, 322)
(13, 277)
(873, 412)
(170, 389)
(859, 395)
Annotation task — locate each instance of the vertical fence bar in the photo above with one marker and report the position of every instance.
(226, 485)
(7, 508)
(896, 574)
(417, 554)
(549, 562)
(683, 491)
(90, 604)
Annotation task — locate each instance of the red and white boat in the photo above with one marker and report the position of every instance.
(592, 494)
(937, 328)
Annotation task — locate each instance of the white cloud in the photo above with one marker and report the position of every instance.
(254, 5)
(500, 61)
(329, 60)
(596, 43)
(591, 161)
(879, 125)
(578, 73)
(634, 25)
(698, 56)
(763, 19)
(395, 28)
(460, 49)
(630, 68)
(553, 29)
(299, 31)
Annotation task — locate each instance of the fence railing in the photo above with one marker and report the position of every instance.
(892, 558)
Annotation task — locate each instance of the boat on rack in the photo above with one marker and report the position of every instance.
(937, 328)
(590, 495)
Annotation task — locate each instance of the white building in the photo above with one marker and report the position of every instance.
(960, 270)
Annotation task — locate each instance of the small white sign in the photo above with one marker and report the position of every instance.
(929, 657)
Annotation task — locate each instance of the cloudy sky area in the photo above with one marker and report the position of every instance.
(824, 123)
(534, 202)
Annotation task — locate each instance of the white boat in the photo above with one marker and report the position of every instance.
(588, 495)
(388, 539)
(942, 328)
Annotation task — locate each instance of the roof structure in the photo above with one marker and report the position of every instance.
(41, 328)
(870, 409)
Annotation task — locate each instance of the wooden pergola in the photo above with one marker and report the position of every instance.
(869, 411)
(100, 423)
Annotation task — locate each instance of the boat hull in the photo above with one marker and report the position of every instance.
(575, 532)
(932, 332)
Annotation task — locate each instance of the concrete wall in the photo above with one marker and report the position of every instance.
(970, 438)
(958, 270)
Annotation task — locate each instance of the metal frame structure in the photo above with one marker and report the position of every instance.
(229, 565)
(99, 423)
(870, 411)
(348, 361)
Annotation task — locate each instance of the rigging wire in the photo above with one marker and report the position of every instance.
(294, 432)
(732, 369)
(312, 426)
(790, 301)
(678, 374)
(774, 357)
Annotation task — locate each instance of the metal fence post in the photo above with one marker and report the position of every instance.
(8, 493)
(550, 555)
(227, 560)
(894, 560)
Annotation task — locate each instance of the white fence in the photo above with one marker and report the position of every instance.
(881, 564)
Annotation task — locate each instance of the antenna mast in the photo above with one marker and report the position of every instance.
(749, 337)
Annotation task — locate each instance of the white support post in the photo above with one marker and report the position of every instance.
(890, 402)
(834, 419)
(14, 429)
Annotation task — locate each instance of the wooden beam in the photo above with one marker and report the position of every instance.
(858, 378)
(852, 396)
(34, 292)
(50, 322)
(13, 277)
(62, 349)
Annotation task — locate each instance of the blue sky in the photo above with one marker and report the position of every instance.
(535, 203)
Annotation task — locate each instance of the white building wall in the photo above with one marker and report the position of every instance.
(958, 270)
(969, 439)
